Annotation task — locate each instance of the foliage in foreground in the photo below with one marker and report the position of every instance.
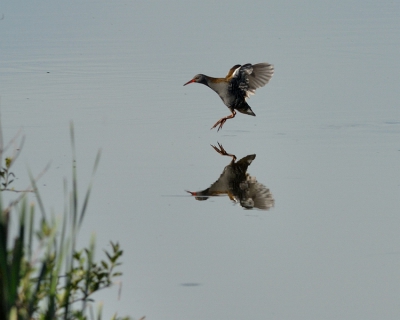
(42, 274)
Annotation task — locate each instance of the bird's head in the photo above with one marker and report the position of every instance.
(199, 78)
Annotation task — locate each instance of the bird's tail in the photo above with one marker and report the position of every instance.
(245, 108)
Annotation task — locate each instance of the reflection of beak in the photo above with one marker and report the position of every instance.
(196, 195)
(189, 82)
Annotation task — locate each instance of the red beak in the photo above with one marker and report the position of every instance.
(193, 80)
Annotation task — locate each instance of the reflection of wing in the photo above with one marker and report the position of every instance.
(258, 195)
(249, 77)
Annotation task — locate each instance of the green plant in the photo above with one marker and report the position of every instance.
(6, 175)
(42, 274)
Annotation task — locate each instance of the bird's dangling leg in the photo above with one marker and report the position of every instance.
(221, 121)
(223, 152)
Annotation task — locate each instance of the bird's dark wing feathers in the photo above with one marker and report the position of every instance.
(239, 84)
(247, 78)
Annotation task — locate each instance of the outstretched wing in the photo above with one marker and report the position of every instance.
(250, 77)
(262, 73)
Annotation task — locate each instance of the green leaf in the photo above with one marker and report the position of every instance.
(117, 274)
(104, 264)
(108, 256)
(8, 162)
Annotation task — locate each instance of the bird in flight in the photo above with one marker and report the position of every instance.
(240, 82)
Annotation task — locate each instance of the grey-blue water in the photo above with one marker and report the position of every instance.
(326, 138)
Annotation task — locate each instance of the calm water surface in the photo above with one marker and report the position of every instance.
(326, 139)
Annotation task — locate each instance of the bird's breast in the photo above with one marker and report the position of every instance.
(221, 87)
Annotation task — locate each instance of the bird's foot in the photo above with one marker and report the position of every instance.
(223, 152)
(220, 122)
(220, 149)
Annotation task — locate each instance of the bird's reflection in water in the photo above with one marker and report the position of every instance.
(239, 185)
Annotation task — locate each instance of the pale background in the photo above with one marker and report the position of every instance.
(326, 136)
